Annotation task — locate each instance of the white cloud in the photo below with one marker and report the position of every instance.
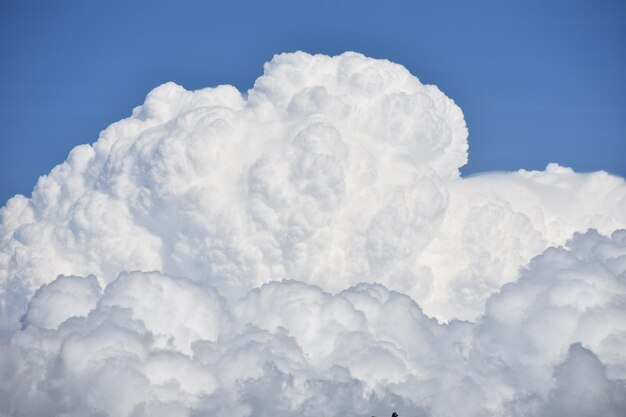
(340, 173)
(62, 299)
(496, 222)
(289, 348)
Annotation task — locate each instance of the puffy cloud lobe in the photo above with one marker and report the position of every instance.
(247, 358)
(548, 344)
(598, 396)
(566, 295)
(497, 222)
(61, 299)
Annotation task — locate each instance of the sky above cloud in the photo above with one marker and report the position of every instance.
(309, 247)
(538, 81)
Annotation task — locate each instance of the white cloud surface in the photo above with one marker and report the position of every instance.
(341, 175)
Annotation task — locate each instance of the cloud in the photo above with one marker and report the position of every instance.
(496, 222)
(290, 348)
(330, 170)
(296, 178)
(598, 396)
(62, 299)
(315, 252)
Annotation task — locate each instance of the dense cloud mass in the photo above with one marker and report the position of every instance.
(314, 252)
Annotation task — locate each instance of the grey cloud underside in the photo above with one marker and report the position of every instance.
(407, 286)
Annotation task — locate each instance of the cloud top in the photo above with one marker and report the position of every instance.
(330, 170)
(240, 189)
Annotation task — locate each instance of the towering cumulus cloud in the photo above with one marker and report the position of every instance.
(309, 248)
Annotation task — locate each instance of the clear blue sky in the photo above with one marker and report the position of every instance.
(538, 81)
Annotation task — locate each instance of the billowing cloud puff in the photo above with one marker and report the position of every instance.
(496, 222)
(331, 170)
(290, 348)
(597, 396)
(61, 299)
(315, 252)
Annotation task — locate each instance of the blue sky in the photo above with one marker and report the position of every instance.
(538, 81)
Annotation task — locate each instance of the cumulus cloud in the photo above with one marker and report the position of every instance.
(156, 345)
(315, 252)
(496, 222)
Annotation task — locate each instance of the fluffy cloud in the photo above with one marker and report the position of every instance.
(296, 179)
(155, 345)
(496, 222)
(340, 174)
